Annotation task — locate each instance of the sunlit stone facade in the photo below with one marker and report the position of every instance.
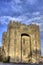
(21, 43)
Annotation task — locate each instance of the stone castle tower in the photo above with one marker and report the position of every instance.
(21, 43)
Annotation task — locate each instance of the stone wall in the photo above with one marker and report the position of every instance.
(23, 43)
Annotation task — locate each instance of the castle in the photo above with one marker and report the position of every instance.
(21, 43)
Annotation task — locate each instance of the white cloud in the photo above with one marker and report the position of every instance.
(5, 19)
(11, 8)
(20, 18)
(17, 1)
(36, 13)
(24, 19)
(35, 18)
(32, 2)
(15, 7)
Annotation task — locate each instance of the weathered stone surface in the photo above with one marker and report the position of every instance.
(0, 53)
(21, 43)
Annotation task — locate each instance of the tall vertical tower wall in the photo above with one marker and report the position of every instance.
(23, 43)
(35, 43)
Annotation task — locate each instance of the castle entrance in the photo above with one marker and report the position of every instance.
(25, 48)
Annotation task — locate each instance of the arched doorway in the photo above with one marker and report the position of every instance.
(25, 48)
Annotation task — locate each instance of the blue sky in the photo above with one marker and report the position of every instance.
(25, 11)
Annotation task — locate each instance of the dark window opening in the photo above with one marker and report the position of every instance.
(23, 40)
